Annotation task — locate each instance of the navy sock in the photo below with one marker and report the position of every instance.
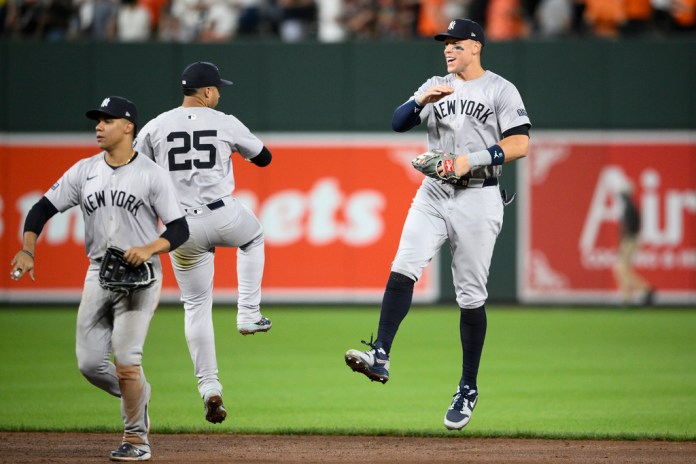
(472, 332)
(395, 305)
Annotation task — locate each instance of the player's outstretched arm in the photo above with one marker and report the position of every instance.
(36, 219)
(23, 262)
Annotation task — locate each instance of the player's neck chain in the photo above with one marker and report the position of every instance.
(127, 162)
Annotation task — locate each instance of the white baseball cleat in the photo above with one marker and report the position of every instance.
(215, 411)
(250, 328)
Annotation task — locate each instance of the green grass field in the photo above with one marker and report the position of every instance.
(559, 373)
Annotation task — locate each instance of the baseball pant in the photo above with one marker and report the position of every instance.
(110, 322)
(233, 225)
(470, 218)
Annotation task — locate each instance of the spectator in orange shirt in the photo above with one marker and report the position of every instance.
(638, 14)
(505, 20)
(684, 14)
(604, 17)
(431, 17)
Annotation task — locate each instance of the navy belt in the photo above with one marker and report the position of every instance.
(217, 204)
(474, 182)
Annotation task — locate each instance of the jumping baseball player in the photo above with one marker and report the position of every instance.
(121, 195)
(477, 121)
(194, 143)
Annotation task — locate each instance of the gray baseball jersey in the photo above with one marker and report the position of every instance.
(198, 159)
(474, 117)
(120, 206)
(194, 145)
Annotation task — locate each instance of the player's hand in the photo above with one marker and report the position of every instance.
(433, 94)
(461, 167)
(136, 256)
(21, 264)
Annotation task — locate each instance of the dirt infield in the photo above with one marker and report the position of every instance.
(94, 447)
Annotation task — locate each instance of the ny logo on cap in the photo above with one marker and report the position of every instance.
(105, 102)
(451, 25)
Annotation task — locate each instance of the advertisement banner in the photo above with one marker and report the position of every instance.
(332, 209)
(569, 216)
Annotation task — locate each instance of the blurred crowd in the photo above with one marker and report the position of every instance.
(217, 21)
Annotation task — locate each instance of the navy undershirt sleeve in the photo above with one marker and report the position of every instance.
(177, 233)
(38, 216)
(406, 116)
(263, 158)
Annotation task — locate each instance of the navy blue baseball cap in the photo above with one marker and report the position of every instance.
(202, 74)
(463, 29)
(116, 107)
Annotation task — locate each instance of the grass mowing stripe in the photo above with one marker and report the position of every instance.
(546, 373)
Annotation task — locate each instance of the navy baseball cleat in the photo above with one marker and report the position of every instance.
(373, 363)
(215, 411)
(459, 412)
(250, 328)
(130, 452)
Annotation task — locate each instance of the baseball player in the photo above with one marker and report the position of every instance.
(121, 195)
(194, 143)
(479, 115)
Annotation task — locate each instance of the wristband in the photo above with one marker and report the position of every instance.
(497, 155)
(492, 155)
(27, 252)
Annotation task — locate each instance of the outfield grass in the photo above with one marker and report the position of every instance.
(582, 373)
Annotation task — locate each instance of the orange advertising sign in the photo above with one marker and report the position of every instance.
(332, 211)
(570, 211)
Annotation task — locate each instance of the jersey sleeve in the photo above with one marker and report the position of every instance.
(163, 196)
(511, 110)
(65, 193)
(243, 141)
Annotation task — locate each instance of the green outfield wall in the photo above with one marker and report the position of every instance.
(569, 84)
(354, 87)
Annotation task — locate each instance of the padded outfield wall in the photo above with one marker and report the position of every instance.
(349, 89)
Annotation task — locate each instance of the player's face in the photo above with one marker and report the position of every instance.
(110, 132)
(459, 54)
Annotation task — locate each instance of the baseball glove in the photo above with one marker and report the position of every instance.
(428, 162)
(117, 275)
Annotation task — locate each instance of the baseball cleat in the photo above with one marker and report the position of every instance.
(250, 328)
(373, 363)
(459, 412)
(215, 411)
(130, 452)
